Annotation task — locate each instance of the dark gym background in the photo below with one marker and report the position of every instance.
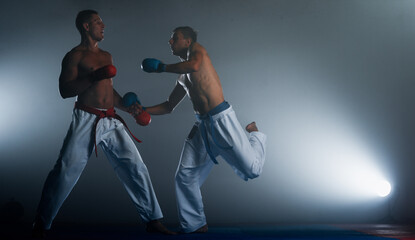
(330, 83)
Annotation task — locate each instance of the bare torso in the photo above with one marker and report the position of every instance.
(203, 87)
(100, 93)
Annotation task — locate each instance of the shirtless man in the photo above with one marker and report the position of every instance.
(87, 73)
(217, 134)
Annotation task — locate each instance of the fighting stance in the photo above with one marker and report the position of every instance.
(87, 73)
(217, 134)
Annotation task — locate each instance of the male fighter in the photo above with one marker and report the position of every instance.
(87, 73)
(217, 134)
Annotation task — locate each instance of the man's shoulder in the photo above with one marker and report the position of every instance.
(75, 52)
(197, 48)
(80, 52)
(74, 55)
(104, 52)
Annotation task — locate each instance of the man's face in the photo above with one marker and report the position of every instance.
(178, 43)
(95, 27)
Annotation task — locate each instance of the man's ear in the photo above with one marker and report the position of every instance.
(86, 26)
(188, 42)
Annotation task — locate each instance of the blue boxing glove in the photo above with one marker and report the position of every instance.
(153, 65)
(129, 99)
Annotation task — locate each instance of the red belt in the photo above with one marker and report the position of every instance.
(110, 113)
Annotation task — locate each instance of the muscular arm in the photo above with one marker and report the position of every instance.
(189, 66)
(168, 106)
(70, 83)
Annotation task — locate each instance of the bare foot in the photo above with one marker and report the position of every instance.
(203, 229)
(155, 226)
(251, 127)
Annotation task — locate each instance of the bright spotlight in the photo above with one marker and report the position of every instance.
(383, 188)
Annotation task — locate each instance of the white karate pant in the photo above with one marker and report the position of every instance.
(76, 150)
(246, 157)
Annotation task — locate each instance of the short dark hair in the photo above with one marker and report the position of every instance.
(82, 17)
(187, 32)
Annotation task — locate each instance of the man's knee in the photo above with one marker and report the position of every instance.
(184, 177)
(136, 164)
(254, 172)
(179, 177)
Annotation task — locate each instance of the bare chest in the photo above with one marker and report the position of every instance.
(93, 61)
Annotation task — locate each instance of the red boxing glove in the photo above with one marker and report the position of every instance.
(105, 72)
(143, 118)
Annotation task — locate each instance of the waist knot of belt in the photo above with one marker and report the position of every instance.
(109, 113)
